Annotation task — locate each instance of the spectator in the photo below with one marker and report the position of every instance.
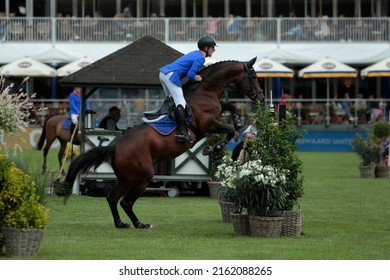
(127, 11)
(109, 122)
(75, 108)
(244, 153)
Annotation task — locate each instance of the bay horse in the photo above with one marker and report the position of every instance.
(52, 130)
(135, 154)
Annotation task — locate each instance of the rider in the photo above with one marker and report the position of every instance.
(74, 109)
(186, 66)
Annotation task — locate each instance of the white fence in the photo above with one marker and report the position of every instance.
(275, 30)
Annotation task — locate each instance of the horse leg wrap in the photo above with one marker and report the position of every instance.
(120, 224)
(140, 225)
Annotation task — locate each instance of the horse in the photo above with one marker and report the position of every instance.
(135, 154)
(51, 131)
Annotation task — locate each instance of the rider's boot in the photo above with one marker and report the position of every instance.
(72, 128)
(182, 133)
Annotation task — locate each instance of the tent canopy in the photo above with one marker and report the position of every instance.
(74, 66)
(267, 68)
(379, 69)
(328, 68)
(27, 67)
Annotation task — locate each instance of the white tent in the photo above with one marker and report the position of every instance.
(268, 68)
(328, 68)
(379, 69)
(27, 67)
(74, 66)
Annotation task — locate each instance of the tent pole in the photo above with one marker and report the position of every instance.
(327, 103)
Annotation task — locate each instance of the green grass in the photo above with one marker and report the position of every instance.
(343, 217)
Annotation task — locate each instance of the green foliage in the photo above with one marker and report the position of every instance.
(19, 201)
(380, 131)
(368, 151)
(274, 144)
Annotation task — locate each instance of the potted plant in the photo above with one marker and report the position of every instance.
(275, 144)
(368, 152)
(380, 134)
(226, 174)
(215, 159)
(21, 213)
(23, 217)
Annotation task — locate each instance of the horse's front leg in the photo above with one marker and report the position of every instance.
(233, 112)
(230, 134)
(127, 204)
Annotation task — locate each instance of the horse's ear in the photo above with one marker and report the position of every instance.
(251, 62)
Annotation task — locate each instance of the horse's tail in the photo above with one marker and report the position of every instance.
(90, 159)
(42, 139)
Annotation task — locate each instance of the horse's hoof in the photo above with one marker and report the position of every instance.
(140, 225)
(122, 225)
(207, 150)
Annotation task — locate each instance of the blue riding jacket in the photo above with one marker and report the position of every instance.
(186, 66)
(75, 104)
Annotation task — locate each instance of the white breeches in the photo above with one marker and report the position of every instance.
(172, 89)
(74, 118)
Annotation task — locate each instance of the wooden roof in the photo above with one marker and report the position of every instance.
(135, 65)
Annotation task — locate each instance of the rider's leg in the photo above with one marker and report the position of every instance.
(182, 133)
(180, 112)
(74, 120)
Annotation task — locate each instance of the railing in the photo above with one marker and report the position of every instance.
(306, 111)
(273, 30)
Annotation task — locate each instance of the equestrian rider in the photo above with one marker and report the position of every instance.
(75, 108)
(186, 66)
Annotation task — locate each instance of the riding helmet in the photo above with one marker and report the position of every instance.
(206, 41)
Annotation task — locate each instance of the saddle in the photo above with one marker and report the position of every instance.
(166, 108)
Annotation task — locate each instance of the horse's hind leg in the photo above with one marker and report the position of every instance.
(127, 204)
(112, 199)
(61, 153)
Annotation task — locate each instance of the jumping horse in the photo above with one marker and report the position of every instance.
(137, 151)
(53, 129)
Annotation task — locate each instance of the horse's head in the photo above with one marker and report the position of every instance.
(249, 84)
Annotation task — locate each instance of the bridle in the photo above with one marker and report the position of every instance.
(249, 74)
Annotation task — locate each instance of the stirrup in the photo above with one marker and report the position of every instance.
(164, 109)
(184, 138)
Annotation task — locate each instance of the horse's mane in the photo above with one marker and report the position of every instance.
(210, 67)
(205, 71)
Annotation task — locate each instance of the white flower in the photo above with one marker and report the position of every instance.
(14, 110)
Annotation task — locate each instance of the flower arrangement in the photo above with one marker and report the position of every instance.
(368, 151)
(271, 180)
(261, 188)
(275, 144)
(226, 173)
(14, 109)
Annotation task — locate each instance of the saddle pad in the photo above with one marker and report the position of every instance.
(66, 124)
(165, 126)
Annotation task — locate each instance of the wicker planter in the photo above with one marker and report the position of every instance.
(240, 224)
(291, 225)
(367, 171)
(265, 226)
(214, 188)
(226, 209)
(22, 242)
(381, 171)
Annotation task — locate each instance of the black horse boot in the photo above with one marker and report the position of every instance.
(182, 133)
